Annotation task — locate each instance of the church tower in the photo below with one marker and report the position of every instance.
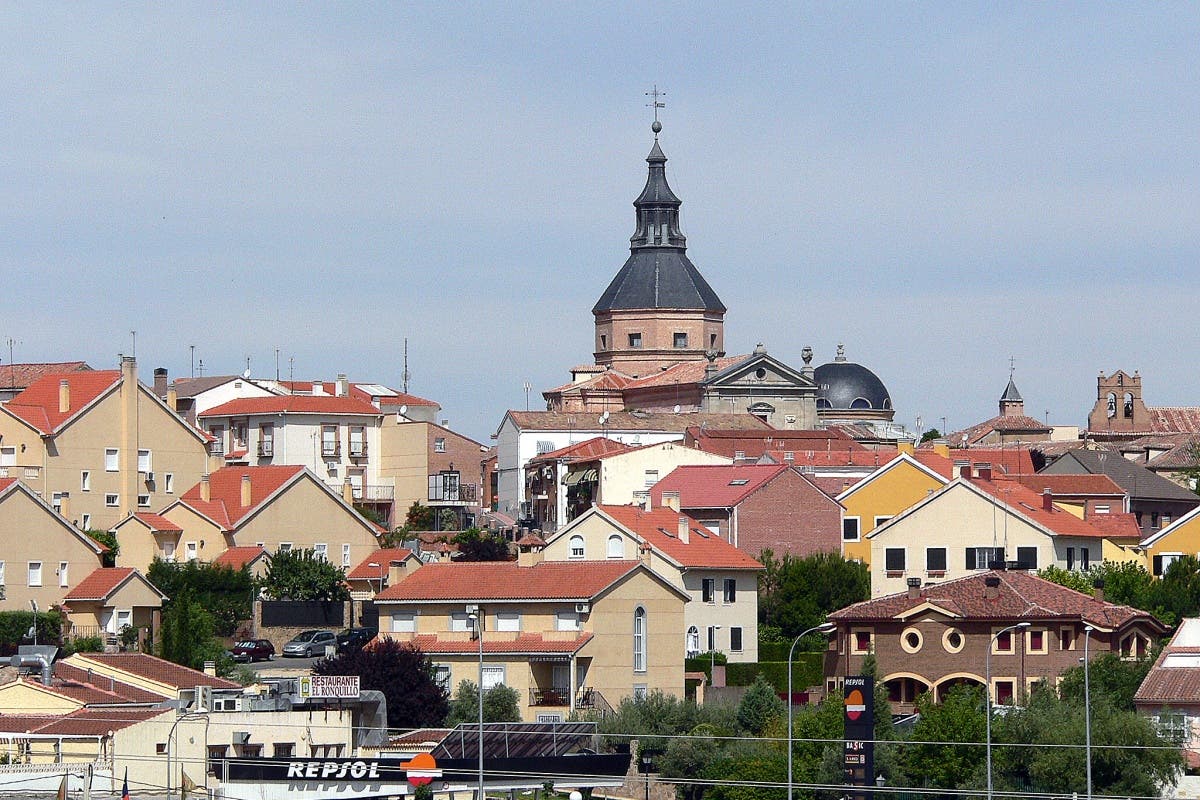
(658, 310)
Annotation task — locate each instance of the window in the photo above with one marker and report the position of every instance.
(680, 341)
(283, 749)
(56, 501)
(1084, 559)
(735, 639)
(708, 590)
(880, 520)
(640, 690)
(639, 639)
(63, 580)
(651, 477)
(953, 641)
(439, 445)
(329, 441)
(730, 590)
(8, 456)
(218, 443)
(1133, 647)
(566, 621)
(2, 581)
(35, 573)
(404, 622)
(1163, 561)
(982, 557)
(85, 481)
(935, 560)
(508, 620)
(1066, 638)
(911, 640)
(1103, 509)
(850, 529)
(1154, 520)
(577, 550)
(144, 461)
(739, 455)
(1070, 558)
(86, 522)
(1005, 692)
(893, 559)
(1002, 644)
(712, 638)
(493, 676)
(460, 622)
(441, 676)
(603, 342)
(169, 483)
(112, 461)
(543, 446)
(190, 551)
(216, 752)
(1027, 557)
(143, 501)
(635, 341)
(266, 439)
(321, 551)
(1035, 641)
(345, 555)
(112, 500)
(861, 641)
(168, 550)
(616, 546)
(358, 441)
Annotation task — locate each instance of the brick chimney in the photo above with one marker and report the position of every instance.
(671, 500)
(914, 588)
(984, 470)
(205, 488)
(644, 552)
(684, 529)
(991, 587)
(1047, 500)
(64, 396)
(1098, 589)
(963, 468)
(246, 491)
(160, 381)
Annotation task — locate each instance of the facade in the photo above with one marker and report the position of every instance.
(432, 465)
(188, 397)
(103, 441)
(112, 599)
(567, 636)
(720, 580)
(1170, 691)
(891, 489)
(1120, 412)
(935, 637)
(1180, 538)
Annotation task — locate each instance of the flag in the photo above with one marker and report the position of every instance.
(187, 785)
(125, 786)
(62, 789)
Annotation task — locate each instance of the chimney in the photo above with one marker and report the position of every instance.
(530, 557)
(210, 668)
(648, 505)
(348, 491)
(160, 381)
(984, 470)
(64, 396)
(914, 588)
(991, 587)
(684, 529)
(246, 491)
(963, 468)
(205, 488)
(1098, 589)
(942, 448)
(396, 572)
(644, 553)
(1047, 499)
(671, 500)
(173, 397)
(343, 385)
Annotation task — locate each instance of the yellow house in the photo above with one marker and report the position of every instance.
(897, 485)
(379, 570)
(143, 537)
(1180, 538)
(99, 445)
(111, 599)
(565, 635)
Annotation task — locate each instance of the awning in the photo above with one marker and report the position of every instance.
(580, 476)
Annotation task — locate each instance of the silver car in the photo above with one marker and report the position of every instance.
(307, 644)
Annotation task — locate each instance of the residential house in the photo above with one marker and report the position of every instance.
(720, 580)
(274, 508)
(1170, 692)
(1174, 456)
(112, 599)
(750, 445)
(1085, 495)
(188, 397)
(390, 401)
(566, 635)
(254, 557)
(16, 378)
(381, 569)
(1180, 538)
(935, 637)
(102, 439)
(757, 507)
(432, 465)
(143, 537)
(888, 490)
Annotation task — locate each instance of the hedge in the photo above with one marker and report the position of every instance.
(15, 624)
(808, 669)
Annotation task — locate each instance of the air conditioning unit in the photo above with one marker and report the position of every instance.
(241, 737)
(227, 704)
(583, 608)
(203, 699)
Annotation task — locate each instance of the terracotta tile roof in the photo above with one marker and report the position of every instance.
(7, 482)
(238, 557)
(1001, 424)
(686, 372)
(225, 492)
(1071, 485)
(1174, 419)
(531, 540)
(505, 580)
(99, 721)
(102, 583)
(1184, 453)
(293, 404)
(190, 387)
(157, 523)
(1020, 596)
(1028, 503)
(69, 673)
(660, 529)
(583, 451)
(608, 380)
(22, 376)
(833, 485)
(1175, 676)
(25, 723)
(382, 559)
(1116, 526)
(398, 398)
(1135, 479)
(835, 458)
(38, 404)
(523, 644)
(619, 421)
(153, 668)
(1011, 461)
(716, 485)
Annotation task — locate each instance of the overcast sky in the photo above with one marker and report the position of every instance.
(938, 186)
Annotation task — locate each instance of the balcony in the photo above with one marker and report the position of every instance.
(375, 493)
(358, 449)
(266, 448)
(331, 451)
(452, 493)
(557, 696)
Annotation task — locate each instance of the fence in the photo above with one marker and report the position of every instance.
(299, 613)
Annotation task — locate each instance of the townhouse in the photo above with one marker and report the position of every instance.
(897, 485)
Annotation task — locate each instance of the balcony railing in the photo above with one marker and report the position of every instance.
(557, 696)
(447, 492)
(266, 448)
(373, 493)
(358, 449)
(331, 451)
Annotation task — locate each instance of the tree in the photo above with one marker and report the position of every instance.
(186, 636)
(760, 704)
(109, 540)
(795, 594)
(301, 575)
(419, 517)
(745, 773)
(930, 435)
(946, 754)
(223, 591)
(1126, 583)
(1176, 594)
(687, 757)
(499, 704)
(476, 545)
(655, 715)
(1112, 680)
(403, 673)
(1079, 581)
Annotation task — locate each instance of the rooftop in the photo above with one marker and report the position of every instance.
(506, 580)
(660, 529)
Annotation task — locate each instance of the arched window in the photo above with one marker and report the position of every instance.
(693, 641)
(616, 546)
(576, 546)
(639, 639)
(861, 402)
(1127, 408)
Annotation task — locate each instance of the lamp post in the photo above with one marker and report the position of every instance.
(824, 627)
(712, 667)
(1087, 709)
(476, 615)
(987, 694)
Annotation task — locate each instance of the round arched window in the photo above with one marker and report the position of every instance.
(911, 640)
(952, 640)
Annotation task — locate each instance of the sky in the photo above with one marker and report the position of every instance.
(939, 186)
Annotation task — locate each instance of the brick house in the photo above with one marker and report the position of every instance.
(936, 637)
(757, 507)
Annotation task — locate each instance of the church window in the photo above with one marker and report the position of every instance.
(635, 341)
(712, 341)
(681, 341)
(1128, 406)
(603, 342)
(860, 402)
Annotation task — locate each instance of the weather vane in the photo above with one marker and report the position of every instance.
(1011, 366)
(656, 104)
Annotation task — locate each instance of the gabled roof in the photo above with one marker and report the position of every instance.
(104, 582)
(21, 376)
(685, 372)
(1074, 485)
(1005, 423)
(1020, 596)
(67, 674)
(1158, 535)
(1116, 526)
(1175, 419)
(225, 507)
(10, 485)
(902, 458)
(97, 721)
(716, 485)
(506, 580)
(38, 404)
(1136, 480)
(586, 450)
(660, 529)
(1010, 461)
(155, 522)
(1175, 676)
(238, 557)
(382, 559)
(364, 391)
(525, 644)
(608, 380)
(620, 421)
(293, 404)
(151, 668)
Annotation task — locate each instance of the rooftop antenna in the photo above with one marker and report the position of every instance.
(246, 374)
(133, 354)
(12, 369)
(291, 374)
(404, 378)
(202, 368)
(192, 348)
(526, 386)
(656, 104)
(277, 365)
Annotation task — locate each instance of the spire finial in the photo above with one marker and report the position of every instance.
(1011, 366)
(656, 104)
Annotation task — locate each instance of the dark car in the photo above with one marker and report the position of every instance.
(252, 650)
(355, 638)
(310, 643)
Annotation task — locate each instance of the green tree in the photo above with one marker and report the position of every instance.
(1126, 583)
(946, 753)
(1079, 581)
(656, 715)
(760, 704)
(109, 540)
(1112, 680)
(225, 592)
(930, 435)
(1176, 594)
(476, 545)
(302, 575)
(687, 757)
(419, 517)
(748, 772)
(186, 636)
(795, 594)
(403, 673)
(499, 704)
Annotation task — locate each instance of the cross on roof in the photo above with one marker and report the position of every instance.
(655, 103)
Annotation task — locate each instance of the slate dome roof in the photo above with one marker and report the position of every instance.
(845, 385)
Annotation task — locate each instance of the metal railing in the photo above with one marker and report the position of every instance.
(463, 493)
(373, 492)
(556, 696)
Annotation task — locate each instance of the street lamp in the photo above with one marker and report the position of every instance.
(712, 667)
(824, 627)
(375, 566)
(1087, 709)
(475, 613)
(987, 694)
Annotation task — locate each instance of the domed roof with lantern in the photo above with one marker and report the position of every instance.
(843, 385)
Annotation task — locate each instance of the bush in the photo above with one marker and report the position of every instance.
(84, 644)
(808, 669)
(15, 624)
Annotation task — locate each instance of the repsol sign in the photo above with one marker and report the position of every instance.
(340, 770)
(325, 771)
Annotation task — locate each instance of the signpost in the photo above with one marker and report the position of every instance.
(858, 749)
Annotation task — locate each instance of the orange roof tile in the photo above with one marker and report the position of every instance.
(686, 372)
(523, 644)
(506, 580)
(659, 528)
(24, 375)
(155, 669)
(586, 450)
(382, 559)
(716, 485)
(1116, 526)
(1028, 503)
(99, 721)
(293, 404)
(1066, 484)
(157, 523)
(238, 557)
(225, 492)
(101, 584)
(38, 404)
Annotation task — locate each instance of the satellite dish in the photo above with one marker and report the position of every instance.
(246, 374)
(677, 408)
(403, 410)
(604, 418)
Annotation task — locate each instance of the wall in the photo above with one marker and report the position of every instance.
(623, 477)
(897, 487)
(788, 515)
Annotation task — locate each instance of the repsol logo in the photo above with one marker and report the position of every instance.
(334, 770)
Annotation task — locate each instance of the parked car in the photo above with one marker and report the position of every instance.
(307, 644)
(252, 650)
(354, 638)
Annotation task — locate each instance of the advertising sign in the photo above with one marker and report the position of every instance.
(320, 687)
(858, 750)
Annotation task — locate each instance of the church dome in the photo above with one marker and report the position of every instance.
(845, 386)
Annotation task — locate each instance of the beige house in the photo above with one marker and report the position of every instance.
(275, 508)
(99, 445)
(432, 465)
(111, 599)
(567, 636)
(720, 580)
(143, 537)
(381, 569)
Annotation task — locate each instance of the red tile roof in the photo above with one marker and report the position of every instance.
(238, 557)
(1020, 596)
(1116, 526)
(660, 529)
(225, 492)
(716, 485)
(99, 721)
(1175, 419)
(155, 669)
(619, 421)
(102, 583)
(586, 450)
(1028, 503)
(157, 523)
(608, 380)
(25, 375)
(382, 560)
(69, 673)
(293, 404)
(523, 644)
(835, 458)
(1065, 484)
(505, 580)
(38, 404)
(1175, 676)
(686, 372)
